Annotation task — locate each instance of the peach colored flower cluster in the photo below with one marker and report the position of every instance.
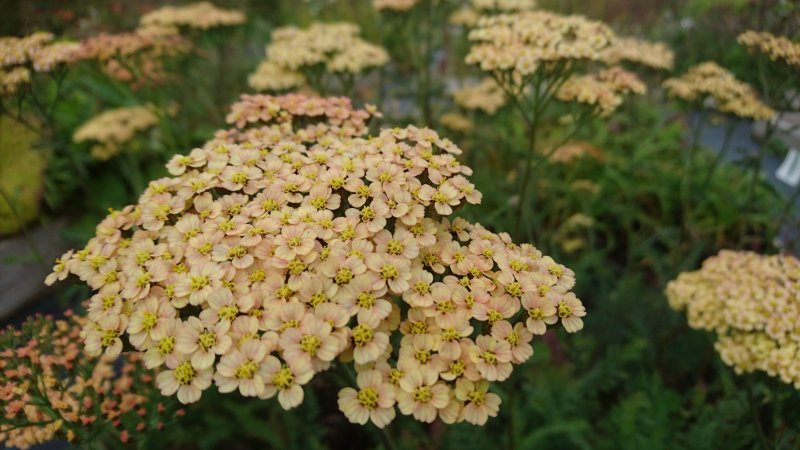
(751, 302)
(51, 390)
(394, 5)
(778, 48)
(603, 91)
(110, 130)
(710, 81)
(486, 96)
(200, 15)
(19, 57)
(456, 122)
(651, 54)
(257, 265)
(520, 43)
(296, 55)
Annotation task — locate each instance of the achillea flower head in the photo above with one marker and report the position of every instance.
(485, 96)
(778, 48)
(394, 5)
(200, 15)
(112, 129)
(751, 303)
(456, 122)
(270, 76)
(603, 91)
(489, 6)
(52, 390)
(652, 54)
(12, 79)
(520, 43)
(709, 80)
(259, 264)
(16, 51)
(19, 57)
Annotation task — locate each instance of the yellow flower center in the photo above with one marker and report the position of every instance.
(337, 183)
(423, 394)
(363, 191)
(198, 282)
(143, 256)
(247, 370)
(343, 275)
(318, 299)
(487, 252)
(365, 300)
(284, 292)
(438, 197)
(289, 187)
(419, 328)
(283, 379)
(207, 340)
(362, 335)
(269, 205)
(237, 251)
(457, 368)
(514, 289)
(395, 247)
(493, 316)
(318, 203)
(239, 178)
(423, 356)
(422, 288)
(368, 398)
(536, 314)
(292, 323)
(450, 334)
(385, 177)
(205, 248)
(395, 375)
(294, 242)
(513, 338)
(110, 277)
(543, 290)
(166, 345)
(347, 234)
(108, 337)
(489, 357)
(257, 275)
(564, 310)
(446, 306)
(185, 373)
(310, 343)
(109, 301)
(556, 270)
(430, 260)
(228, 312)
(388, 272)
(517, 266)
(477, 398)
(367, 214)
(296, 267)
(149, 320)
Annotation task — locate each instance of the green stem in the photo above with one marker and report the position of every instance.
(686, 185)
(28, 239)
(756, 417)
(789, 206)
(722, 151)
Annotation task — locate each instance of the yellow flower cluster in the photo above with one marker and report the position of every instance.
(708, 80)
(490, 6)
(37, 52)
(331, 47)
(394, 5)
(112, 129)
(778, 48)
(520, 43)
(259, 264)
(485, 96)
(652, 54)
(603, 90)
(200, 15)
(751, 302)
(50, 389)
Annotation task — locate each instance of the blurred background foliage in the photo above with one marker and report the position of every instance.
(636, 378)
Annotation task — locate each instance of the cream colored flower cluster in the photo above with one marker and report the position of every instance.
(200, 15)
(778, 48)
(603, 90)
(257, 265)
(652, 54)
(708, 80)
(112, 129)
(485, 6)
(485, 96)
(37, 53)
(294, 55)
(751, 302)
(394, 5)
(50, 389)
(456, 122)
(520, 43)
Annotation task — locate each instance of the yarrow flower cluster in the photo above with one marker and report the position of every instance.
(751, 302)
(778, 48)
(19, 57)
(112, 129)
(521, 43)
(656, 55)
(200, 15)
(603, 91)
(456, 121)
(257, 265)
(50, 389)
(486, 96)
(296, 56)
(394, 5)
(709, 80)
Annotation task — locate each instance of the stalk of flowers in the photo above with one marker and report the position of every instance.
(255, 267)
(110, 130)
(486, 96)
(51, 389)
(20, 58)
(751, 303)
(199, 15)
(778, 48)
(469, 14)
(298, 56)
(602, 91)
(656, 55)
(729, 95)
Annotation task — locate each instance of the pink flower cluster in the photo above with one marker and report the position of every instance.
(261, 263)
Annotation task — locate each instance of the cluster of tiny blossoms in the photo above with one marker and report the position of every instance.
(751, 302)
(111, 129)
(656, 55)
(394, 5)
(603, 90)
(486, 96)
(200, 15)
(50, 389)
(520, 43)
(778, 48)
(295, 56)
(708, 80)
(35, 53)
(259, 264)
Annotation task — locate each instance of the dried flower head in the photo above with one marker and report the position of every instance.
(602, 91)
(729, 95)
(200, 15)
(112, 129)
(751, 302)
(656, 55)
(778, 48)
(259, 264)
(485, 96)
